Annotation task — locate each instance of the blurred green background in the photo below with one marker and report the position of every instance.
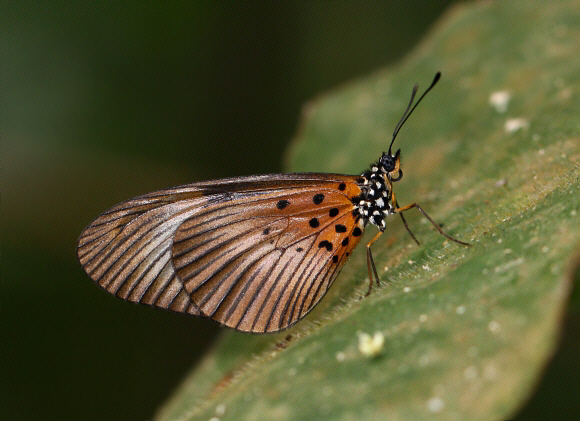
(102, 102)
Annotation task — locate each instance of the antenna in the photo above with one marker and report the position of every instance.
(407, 113)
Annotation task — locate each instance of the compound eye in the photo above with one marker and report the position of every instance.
(388, 163)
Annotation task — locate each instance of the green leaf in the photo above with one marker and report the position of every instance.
(468, 330)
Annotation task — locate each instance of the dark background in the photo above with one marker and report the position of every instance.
(104, 102)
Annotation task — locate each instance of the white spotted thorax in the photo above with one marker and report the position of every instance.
(374, 204)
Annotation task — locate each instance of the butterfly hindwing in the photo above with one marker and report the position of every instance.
(127, 250)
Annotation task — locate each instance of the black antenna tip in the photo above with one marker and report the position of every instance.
(435, 80)
(411, 107)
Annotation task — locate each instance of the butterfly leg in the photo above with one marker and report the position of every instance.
(402, 209)
(371, 263)
(407, 227)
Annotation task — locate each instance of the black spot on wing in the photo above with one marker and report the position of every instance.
(282, 204)
(326, 244)
(318, 198)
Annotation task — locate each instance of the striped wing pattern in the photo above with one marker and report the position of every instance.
(127, 250)
(253, 253)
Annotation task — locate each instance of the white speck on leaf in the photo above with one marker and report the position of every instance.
(424, 360)
(371, 346)
(470, 373)
(499, 100)
(494, 327)
(500, 183)
(220, 410)
(490, 372)
(512, 125)
(435, 405)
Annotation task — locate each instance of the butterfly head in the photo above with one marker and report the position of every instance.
(391, 165)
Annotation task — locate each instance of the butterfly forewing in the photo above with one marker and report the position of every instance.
(314, 274)
(253, 253)
(261, 261)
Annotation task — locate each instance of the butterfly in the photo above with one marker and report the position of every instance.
(253, 253)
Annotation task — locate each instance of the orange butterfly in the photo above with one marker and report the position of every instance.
(253, 253)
